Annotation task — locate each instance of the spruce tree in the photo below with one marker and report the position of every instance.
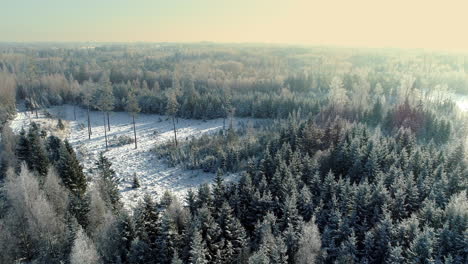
(70, 170)
(135, 182)
(147, 221)
(175, 258)
(218, 191)
(37, 158)
(198, 251)
(108, 183)
(232, 232)
(166, 239)
(23, 147)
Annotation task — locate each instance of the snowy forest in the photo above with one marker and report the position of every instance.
(348, 155)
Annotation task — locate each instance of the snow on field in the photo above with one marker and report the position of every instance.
(154, 175)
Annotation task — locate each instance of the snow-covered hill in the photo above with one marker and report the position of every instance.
(154, 175)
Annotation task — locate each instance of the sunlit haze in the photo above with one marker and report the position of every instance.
(372, 23)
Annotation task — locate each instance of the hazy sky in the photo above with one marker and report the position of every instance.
(376, 23)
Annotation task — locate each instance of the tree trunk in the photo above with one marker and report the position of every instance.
(37, 116)
(74, 112)
(175, 131)
(105, 132)
(108, 122)
(134, 131)
(89, 125)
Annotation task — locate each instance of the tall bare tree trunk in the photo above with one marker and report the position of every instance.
(89, 125)
(108, 122)
(175, 131)
(134, 131)
(105, 132)
(74, 112)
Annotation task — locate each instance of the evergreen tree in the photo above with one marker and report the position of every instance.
(198, 251)
(37, 157)
(135, 182)
(348, 250)
(233, 234)
(218, 191)
(147, 221)
(176, 259)
(422, 247)
(395, 256)
(133, 108)
(108, 183)
(70, 170)
(23, 147)
(172, 108)
(166, 239)
(53, 148)
(126, 234)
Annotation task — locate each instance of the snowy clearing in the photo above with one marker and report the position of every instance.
(154, 175)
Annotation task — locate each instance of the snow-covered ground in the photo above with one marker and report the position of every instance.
(461, 101)
(154, 175)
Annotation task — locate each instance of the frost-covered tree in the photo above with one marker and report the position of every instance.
(172, 107)
(104, 101)
(33, 229)
(108, 183)
(337, 94)
(309, 244)
(198, 251)
(83, 250)
(133, 108)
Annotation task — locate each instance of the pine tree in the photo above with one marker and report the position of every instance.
(104, 101)
(133, 108)
(172, 108)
